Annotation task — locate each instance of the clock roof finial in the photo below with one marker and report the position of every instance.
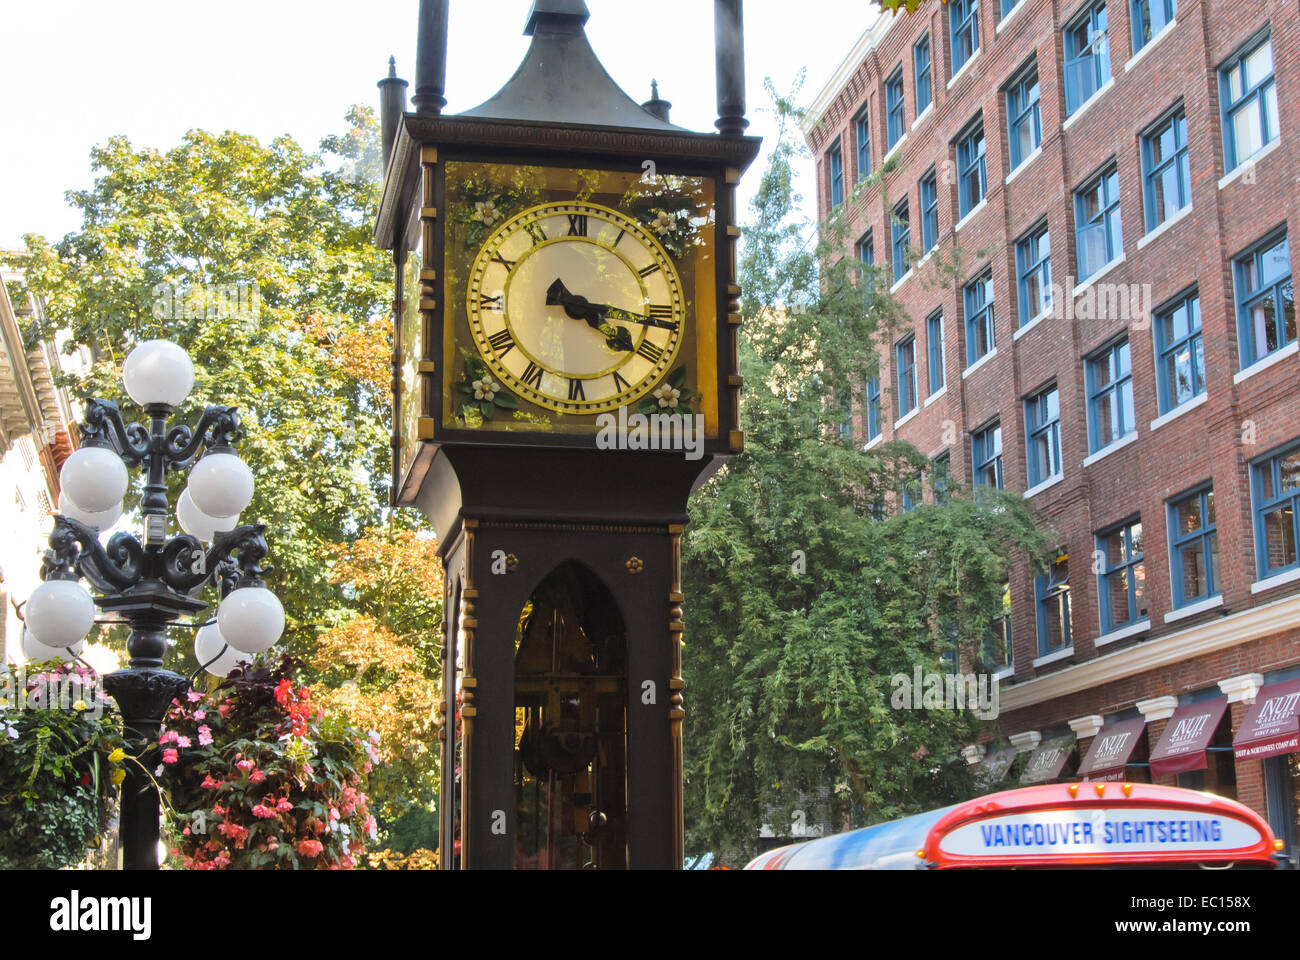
(557, 11)
(561, 80)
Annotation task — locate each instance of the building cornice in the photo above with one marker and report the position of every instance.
(844, 72)
(1198, 641)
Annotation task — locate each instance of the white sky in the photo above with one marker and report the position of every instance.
(75, 72)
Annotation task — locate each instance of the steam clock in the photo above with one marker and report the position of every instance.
(565, 375)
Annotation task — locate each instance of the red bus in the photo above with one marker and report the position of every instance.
(1053, 825)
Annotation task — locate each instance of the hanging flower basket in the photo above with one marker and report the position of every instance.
(257, 778)
(61, 761)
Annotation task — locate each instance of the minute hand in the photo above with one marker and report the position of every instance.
(627, 316)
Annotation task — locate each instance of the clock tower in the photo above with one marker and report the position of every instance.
(564, 376)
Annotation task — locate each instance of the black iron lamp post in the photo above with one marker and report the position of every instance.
(153, 583)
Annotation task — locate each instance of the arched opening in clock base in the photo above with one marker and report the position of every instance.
(571, 726)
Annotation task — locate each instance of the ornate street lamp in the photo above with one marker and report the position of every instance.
(153, 583)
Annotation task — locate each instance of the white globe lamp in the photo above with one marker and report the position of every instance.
(221, 485)
(94, 478)
(214, 654)
(251, 619)
(96, 521)
(197, 523)
(158, 372)
(37, 652)
(60, 613)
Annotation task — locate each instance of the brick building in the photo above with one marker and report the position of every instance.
(1120, 178)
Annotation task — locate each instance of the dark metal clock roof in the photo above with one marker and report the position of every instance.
(561, 80)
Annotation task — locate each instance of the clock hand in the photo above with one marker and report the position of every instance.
(580, 308)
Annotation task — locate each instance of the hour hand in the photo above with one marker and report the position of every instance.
(616, 313)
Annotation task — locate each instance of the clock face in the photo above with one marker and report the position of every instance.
(568, 296)
(576, 307)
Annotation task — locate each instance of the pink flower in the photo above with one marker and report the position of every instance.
(209, 784)
(245, 765)
(170, 756)
(194, 696)
(264, 812)
(257, 776)
(205, 736)
(168, 737)
(284, 806)
(310, 848)
(183, 742)
(199, 714)
(224, 710)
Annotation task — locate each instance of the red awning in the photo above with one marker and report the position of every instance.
(1046, 763)
(1186, 737)
(1110, 750)
(993, 769)
(1272, 727)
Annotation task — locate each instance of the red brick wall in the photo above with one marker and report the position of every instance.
(1213, 442)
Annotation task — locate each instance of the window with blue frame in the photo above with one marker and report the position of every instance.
(1149, 17)
(912, 492)
(1122, 581)
(862, 128)
(938, 352)
(1167, 178)
(905, 375)
(1043, 436)
(1099, 232)
(1052, 600)
(941, 478)
(894, 123)
(997, 650)
(978, 295)
(1024, 116)
(1110, 396)
(986, 456)
(1193, 547)
(1275, 490)
(963, 18)
(867, 250)
(835, 164)
(1265, 299)
(1008, 6)
(972, 172)
(1249, 96)
(929, 211)
(901, 227)
(1180, 356)
(873, 408)
(922, 73)
(1034, 274)
(1087, 57)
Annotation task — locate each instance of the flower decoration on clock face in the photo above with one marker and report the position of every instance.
(575, 307)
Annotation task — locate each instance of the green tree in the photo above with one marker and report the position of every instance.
(808, 588)
(258, 259)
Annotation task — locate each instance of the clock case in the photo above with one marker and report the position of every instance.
(411, 218)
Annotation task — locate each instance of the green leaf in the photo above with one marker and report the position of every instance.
(677, 378)
(506, 401)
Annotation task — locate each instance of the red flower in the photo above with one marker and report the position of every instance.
(310, 848)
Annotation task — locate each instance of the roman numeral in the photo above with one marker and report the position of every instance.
(650, 351)
(576, 391)
(650, 270)
(620, 385)
(502, 342)
(533, 376)
(577, 224)
(619, 238)
(497, 258)
(490, 303)
(536, 232)
(660, 313)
